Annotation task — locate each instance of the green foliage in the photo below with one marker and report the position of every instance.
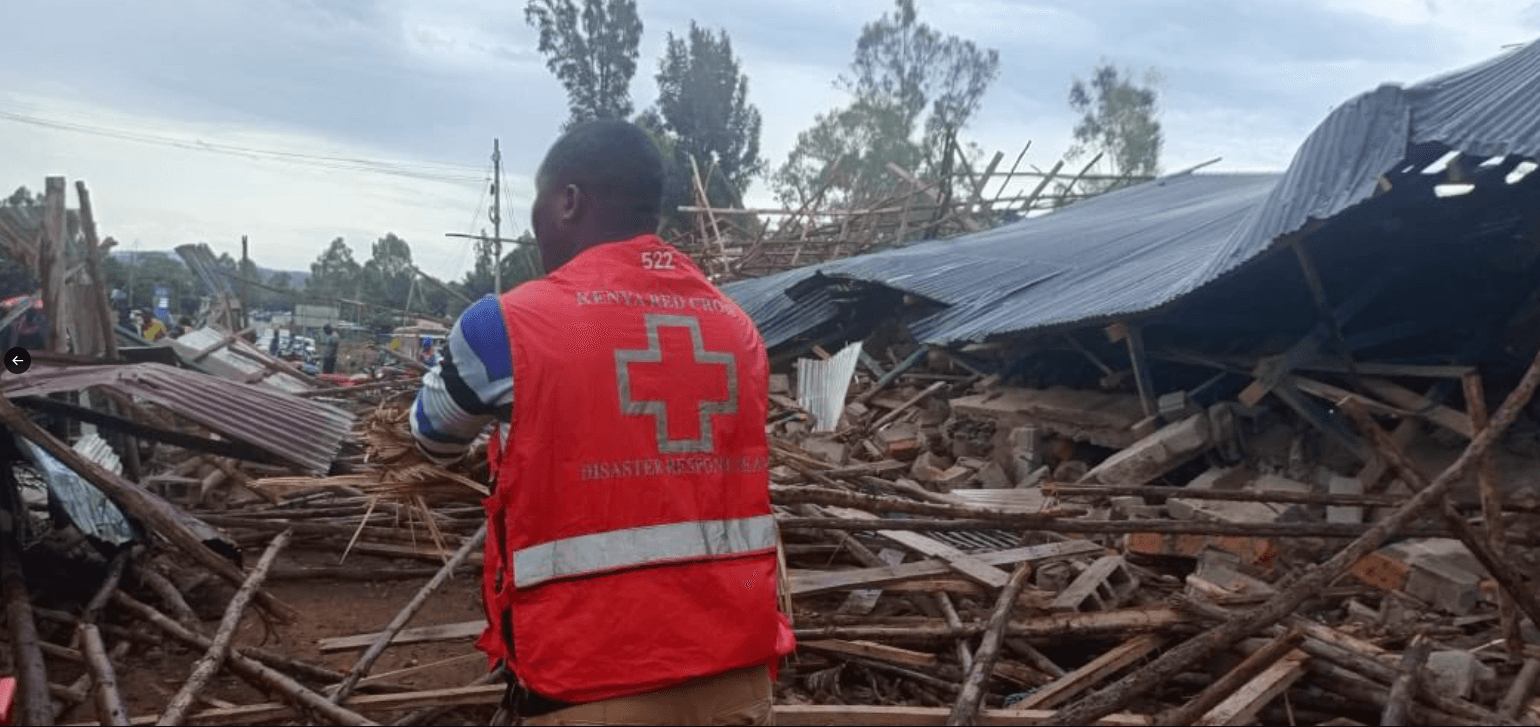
(592, 51)
(704, 108)
(147, 271)
(387, 276)
(15, 279)
(335, 273)
(1118, 119)
(862, 139)
(913, 89)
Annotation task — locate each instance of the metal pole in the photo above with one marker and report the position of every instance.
(497, 219)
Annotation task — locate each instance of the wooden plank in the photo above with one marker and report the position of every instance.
(807, 583)
(1383, 369)
(485, 694)
(1074, 683)
(1241, 708)
(1335, 394)
(419, 635)
(966, 565)
(407, 551)
(1405, 398)
(880, 652)
(862, 602)
(841, 715)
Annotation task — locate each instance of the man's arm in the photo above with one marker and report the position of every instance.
(471, 387)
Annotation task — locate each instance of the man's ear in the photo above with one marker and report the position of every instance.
(572, 203)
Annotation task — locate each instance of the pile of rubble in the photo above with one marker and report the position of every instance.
(964, 552)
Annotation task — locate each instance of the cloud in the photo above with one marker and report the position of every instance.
(418, 82)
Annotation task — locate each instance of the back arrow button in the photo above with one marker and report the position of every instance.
(18, 360)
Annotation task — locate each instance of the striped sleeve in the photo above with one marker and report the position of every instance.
(471, 386)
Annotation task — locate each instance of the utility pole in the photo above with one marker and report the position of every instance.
(497, 219)
(245, 288)
(133, 260)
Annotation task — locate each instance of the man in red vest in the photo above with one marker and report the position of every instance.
(631, 550)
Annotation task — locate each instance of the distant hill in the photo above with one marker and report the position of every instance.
(297, 278)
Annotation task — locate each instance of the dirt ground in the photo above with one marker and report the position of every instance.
(328, 608)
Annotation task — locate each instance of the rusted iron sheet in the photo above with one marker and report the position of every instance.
(302, 432)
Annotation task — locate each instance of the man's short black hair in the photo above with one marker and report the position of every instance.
(612, 160)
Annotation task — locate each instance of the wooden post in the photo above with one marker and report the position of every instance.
(1226, 685)
(34, 705)
(366, 661)
(109, 703)
(220, 648)
(977, 684)
(53, 262)
(1491, 503)
(245, 288)
(1134, 337)
(251, 670)
(100, 301)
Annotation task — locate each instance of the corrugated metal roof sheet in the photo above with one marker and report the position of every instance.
(202, 262)
(91, 511)
(230, 364)
(303, 432)
(1140, 248)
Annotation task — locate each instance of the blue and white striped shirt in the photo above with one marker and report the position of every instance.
(471, 387)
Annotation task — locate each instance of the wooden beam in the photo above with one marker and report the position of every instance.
(53, 263)
(807, 583)
(1141, 364)
(419, 635)
(254, 713)
(847, 715)
(1405, 398)
(1241, 708)
(966, 565)
(1074, 683)
(226, 341)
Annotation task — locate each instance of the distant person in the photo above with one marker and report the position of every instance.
(332, 342)
(151, 329)
(272, 345)
(32, 332)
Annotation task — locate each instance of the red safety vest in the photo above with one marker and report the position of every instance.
(631, 538)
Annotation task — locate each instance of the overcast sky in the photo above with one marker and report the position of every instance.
(178, 113)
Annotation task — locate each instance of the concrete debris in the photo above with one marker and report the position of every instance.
(1189, 502)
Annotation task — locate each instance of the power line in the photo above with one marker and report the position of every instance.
(427, 171)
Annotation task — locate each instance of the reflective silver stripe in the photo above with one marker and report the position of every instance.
(641, 546)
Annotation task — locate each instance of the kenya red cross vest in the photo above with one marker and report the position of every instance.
(631, 544)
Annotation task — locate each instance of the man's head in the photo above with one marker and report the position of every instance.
(327, 329)
(601, 182)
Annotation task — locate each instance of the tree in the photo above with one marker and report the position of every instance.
(907, 65)
(592, 53)
(1118, 119)
(335, 273)
(845, 153)
(387, 277)
(907, 80)
(15, 277)
(149, 270)
(703, 105)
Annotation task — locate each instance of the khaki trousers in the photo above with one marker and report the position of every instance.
(740, 697)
